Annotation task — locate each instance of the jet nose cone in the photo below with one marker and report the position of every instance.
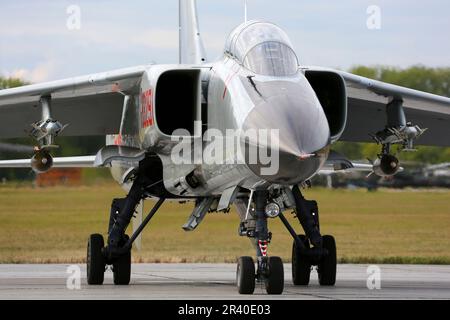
(298, 138)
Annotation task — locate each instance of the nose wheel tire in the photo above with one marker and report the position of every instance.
(95, 261)
(327, 266)
(274, 281)
(245, 275)
(301, 266)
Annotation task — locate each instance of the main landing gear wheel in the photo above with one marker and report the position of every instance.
(122, 267)
(245, 275)
(274, 281)
(327, 266)
(95, 260)
(301, 266)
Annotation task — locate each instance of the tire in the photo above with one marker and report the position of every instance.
(122, 269)
(275, 281)
(245, 275)
(327, 266)
(122, 266)
(95, 261)
(301, 266)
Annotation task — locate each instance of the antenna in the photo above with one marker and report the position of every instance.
(245, 11)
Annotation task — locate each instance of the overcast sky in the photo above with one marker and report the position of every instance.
(36, 44)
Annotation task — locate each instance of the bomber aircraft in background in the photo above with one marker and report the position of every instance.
(163, 125)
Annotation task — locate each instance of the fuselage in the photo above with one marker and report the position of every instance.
(257, 107)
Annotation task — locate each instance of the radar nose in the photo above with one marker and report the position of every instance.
(298, 142)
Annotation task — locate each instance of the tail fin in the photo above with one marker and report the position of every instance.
(191, 45)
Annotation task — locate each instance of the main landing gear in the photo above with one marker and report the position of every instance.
(308, 250)
(117, 252)
(311, 249)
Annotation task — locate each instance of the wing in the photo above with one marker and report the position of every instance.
(91, 105)
(366, 113)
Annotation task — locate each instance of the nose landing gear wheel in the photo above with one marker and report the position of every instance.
(275, 280)
(327, 266)
(95, 262)
(245, 275)
(301, 266)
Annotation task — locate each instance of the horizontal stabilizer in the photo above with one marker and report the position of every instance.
(337, 162)
(59, 162)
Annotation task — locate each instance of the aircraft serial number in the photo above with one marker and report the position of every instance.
(252, 309)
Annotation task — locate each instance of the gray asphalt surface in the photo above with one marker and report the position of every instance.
(217, 281)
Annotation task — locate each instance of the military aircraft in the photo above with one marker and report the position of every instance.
(249, 129)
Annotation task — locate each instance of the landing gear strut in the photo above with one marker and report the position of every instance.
(323, 251)
(269, 270)
(311, 249)
(118, 250)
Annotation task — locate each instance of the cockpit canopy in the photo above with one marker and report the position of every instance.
(263, 48)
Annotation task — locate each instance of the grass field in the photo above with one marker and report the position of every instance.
(53, 224)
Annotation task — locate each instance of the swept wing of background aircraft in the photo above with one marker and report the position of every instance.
(257, 84)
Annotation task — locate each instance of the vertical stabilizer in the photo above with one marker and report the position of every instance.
(191, 45)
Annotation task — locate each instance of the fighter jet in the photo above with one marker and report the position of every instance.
(249, 130)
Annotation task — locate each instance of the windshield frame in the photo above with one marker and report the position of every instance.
(255, 38)
(286, 64)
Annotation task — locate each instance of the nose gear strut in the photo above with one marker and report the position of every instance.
(307, 251)
(269, 269)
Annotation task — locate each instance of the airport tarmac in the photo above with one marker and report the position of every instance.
(217, 281)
